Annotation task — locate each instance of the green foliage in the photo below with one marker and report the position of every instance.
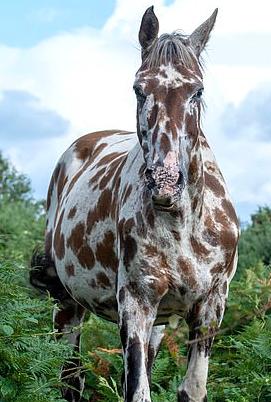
(108, 390)
(240, 369)
(30, 358)
(22, 218)
(21, 229)
(14, 186)
(255, 242)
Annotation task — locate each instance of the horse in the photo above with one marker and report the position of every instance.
(140, 226)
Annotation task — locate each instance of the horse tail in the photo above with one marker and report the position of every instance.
(43, 275)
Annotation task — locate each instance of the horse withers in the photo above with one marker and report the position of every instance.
(140, 226)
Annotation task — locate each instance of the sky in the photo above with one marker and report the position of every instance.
(67, 68)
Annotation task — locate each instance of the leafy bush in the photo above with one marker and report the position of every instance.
(30, 358)
(255, 241)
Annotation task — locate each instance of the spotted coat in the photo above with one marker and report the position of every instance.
(140, 226)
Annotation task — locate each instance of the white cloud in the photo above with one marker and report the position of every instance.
(86, 76)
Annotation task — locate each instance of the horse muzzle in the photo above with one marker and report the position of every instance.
(165, 186)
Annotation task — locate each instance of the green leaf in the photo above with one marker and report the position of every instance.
(7, 329)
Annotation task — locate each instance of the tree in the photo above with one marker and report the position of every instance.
(30, 357)
(21, 217)
(14, 186)
(255, 241)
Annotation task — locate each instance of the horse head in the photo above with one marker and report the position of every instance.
(169, 88)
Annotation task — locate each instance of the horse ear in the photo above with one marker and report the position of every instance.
(199, 38)
(148, 29)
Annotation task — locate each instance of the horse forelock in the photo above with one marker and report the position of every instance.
(169, 48)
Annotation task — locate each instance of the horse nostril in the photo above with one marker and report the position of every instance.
(150, 179)
(148, 172)
(180, 180)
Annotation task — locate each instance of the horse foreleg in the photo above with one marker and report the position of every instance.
(157, 336)
(204, 321)
(69, 316)
(135, 325)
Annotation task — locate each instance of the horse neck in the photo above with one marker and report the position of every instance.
(193, 194)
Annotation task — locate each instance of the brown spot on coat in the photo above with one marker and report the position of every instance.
(176, 235)
(129, 250)
(103, 280)
(85, 145)
(76, 239)
(105, 252)
(48, 242)
(96, 152)
(128, 225)
(85, 257)
(193, 170)
(72, 212)
(195, 204)
(165, 144)
(62, 180)
(229, 210)
(105, 160)
(69, 268)
(214, 185)
(199, 249)
(97, 176)
(59, 243)
(188, 271)
(92, 218)
(231, 267)
(109, 174)
(217, 269)
(104, 204)
(160, 258)
(221, 218)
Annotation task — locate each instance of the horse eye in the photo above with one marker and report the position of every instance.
(198, 94)
(141, 97)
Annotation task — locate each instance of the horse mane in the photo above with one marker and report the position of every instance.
(169, 48)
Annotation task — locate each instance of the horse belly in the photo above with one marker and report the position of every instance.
(88, 270)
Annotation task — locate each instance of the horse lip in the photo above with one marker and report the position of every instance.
(165, 208)
(163, 203)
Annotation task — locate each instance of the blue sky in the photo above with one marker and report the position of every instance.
(63, 63)
(25, 23)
